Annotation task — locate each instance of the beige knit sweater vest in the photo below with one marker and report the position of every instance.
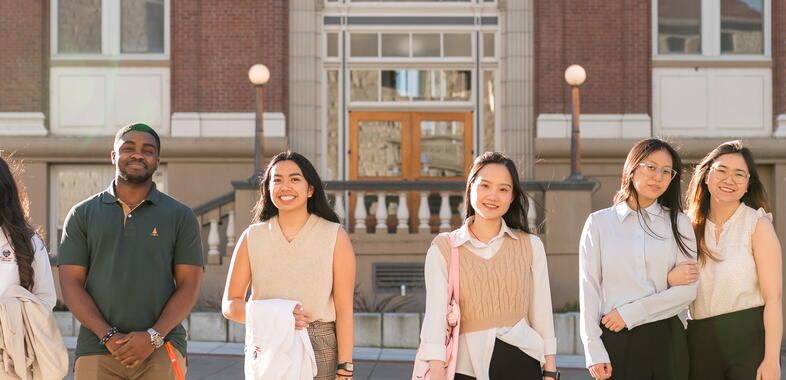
(495, 292)
(300, 270)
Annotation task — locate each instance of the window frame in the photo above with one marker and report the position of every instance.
(111, 36)
(710, 33)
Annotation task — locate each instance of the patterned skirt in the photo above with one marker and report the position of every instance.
(323, 340)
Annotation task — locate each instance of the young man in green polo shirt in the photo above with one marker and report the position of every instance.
(130, 268)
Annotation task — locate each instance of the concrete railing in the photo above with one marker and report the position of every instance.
(389, 330)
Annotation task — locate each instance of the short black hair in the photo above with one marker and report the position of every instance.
(139, 127)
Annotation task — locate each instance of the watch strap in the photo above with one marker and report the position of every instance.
(553, 374)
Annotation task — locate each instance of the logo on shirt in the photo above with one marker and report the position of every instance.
(154, 233)
(7, 257)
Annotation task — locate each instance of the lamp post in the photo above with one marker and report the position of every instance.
(259, 75)
(575, 75)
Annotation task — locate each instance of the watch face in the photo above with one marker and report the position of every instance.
(349, 367)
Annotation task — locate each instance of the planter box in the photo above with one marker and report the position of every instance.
(368, 330)
(401, 330)
(205, 326)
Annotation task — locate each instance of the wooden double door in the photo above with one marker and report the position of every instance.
(410, 146)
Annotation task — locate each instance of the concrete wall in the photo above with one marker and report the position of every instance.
(194, 182)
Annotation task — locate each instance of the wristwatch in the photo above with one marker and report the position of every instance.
(156, 340)
(348, 367)
(553, 374)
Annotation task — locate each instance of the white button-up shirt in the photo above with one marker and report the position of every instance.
(624, 265)
(43, 281)
(475, 348)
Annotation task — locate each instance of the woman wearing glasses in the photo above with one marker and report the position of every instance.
(737, 322)
(629, 322)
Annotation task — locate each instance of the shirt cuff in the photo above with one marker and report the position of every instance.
(432, 351)
(633, 314)
(595, 352)
(550, 346)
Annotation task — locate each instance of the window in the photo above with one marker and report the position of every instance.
(715, 29)
(110, 29)
(414, 45)
(410, 85)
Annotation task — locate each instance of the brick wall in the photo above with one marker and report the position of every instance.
(610, 38)
(23, 55)
(214, 43)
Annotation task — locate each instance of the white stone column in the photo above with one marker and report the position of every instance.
(305, 68)
(381, 214)
(402, 214)
(423, 213)
(444, 212)
(360, 213)
(516, 85)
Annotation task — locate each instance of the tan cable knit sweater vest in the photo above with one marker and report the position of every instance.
(300, 270)
(495, 292)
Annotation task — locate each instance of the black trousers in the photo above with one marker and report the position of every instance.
(508, 362)
(653, 351)
(728, 346)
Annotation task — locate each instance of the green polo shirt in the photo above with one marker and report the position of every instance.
(130, 265)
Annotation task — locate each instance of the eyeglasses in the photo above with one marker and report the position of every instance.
(722, 173)
(654, 171)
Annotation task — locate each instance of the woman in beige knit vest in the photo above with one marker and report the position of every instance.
(297, 250)
(507, 329)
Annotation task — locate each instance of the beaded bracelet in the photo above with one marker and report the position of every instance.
(108, 335)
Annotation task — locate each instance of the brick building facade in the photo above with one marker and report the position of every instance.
(375, 90)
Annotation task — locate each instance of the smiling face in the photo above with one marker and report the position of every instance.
(135, 157)
(651, 184)
(727, 179)
(289, 189)
(492, 191)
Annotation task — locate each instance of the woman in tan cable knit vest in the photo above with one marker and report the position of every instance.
(507, 330)
(295, 249)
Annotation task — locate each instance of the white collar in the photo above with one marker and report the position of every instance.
(623, 210)
(463, 235)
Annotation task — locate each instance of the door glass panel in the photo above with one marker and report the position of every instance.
(395, 45)
(364, 85)
(425, 45)
(458, 85)
(425, 85)
(441, 148)
(379, 148)
(394, 85)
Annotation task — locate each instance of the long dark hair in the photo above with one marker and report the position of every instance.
(516, 216)
(317, 204)
(698, 197)
(671, 198)
(14, 222)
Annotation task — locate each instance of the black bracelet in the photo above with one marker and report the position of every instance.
(108, 335)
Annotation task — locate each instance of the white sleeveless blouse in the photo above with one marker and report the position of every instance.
(732, 283)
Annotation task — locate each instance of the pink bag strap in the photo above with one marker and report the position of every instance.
(453, 272)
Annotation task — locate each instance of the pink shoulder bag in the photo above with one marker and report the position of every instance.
(422, 370)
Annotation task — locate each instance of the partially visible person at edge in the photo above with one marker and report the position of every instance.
(736, 320)
(130, 268)
(629, 315)
(297, 250)
(25, 274)
(24, 259)
(507, 328)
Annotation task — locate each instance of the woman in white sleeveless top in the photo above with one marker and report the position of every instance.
(295, 249)
(737, 322)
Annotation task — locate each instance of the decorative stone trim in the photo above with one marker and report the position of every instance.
(780, 126)
(214, 124)
(22, 124)
(625, 126)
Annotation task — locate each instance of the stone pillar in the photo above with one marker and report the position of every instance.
(778, 203)
(516, 62)
(305, 63)
(565, 213)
